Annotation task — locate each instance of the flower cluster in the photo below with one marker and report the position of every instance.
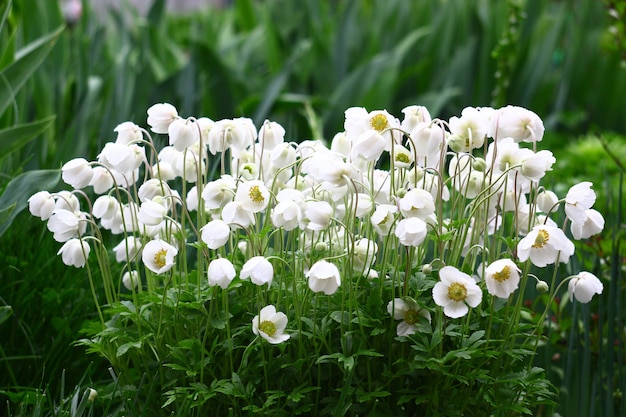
(384, 196)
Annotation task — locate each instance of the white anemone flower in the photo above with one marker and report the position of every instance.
(131, 280)
(414, 115)
(583, 287)
(593, 224)
(77, 172)
(127, 133)
(579, 198)
(41, 204)
(218, 192)
(160, 116)
(106, 207)
(102, 180)
(65, 224)
(270, 325)
(253, 195)
(271, 134)
(236, 216)
(319, 214)
(409, 312)
(127, 249)
(534, 165)
(158, 256)
(518, 123)
(220, 272)
(502, 278)
(546, 201)
(417, 203)
(183, 134)
(324, 277)
(259, 270)
(468, 131)
(215, 233)
(75, 252)
(456, 292)
(364, 254)
(383, 218)
(544, 245)
(411, 231)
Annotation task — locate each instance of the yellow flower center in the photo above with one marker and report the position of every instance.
(457, 291)
(411, 316)
(379, 122)
(159, 258)
(268, 327)
(255, 194)
(541, 239)
(402, 157)
(502, 275)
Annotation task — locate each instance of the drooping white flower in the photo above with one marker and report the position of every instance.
(383, 218)
(66, 200)
(364, 254)
(593, 224)
(237, 216)
(544, 245)
(324, 277)
(546, 201)
(127, 133)
(41, 204)
(456, 292)
(417, 203)
(127, 249)
(226, 134)
(414, 115)
(535, 164)
(221, 272)
(259, 270)
(369, 145)
(65, 224)
(75, 252)
(411, 231)
(579, 198)
(215, 233)
(271, 134)
(77, 173)
(102, 180)
(152, 212)
(218, 192)
(518, 123)
(183, 134)
(502, 278)
(158, 256)
(409, 312)
(160, 116)
(583, 287)
(270, 325)
(468, 131)
(131, 279)
(319, 214)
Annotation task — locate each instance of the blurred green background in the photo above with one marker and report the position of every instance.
(67, 80)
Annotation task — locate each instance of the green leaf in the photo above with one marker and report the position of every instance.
(15, 137)
(126, 346)
(27, 60)
(5, 313)
(15, 196)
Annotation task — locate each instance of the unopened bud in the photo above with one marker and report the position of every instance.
(479, 164)
(542, 287)
(93, 394)
(427, 269)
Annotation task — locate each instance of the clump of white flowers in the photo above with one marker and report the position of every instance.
(384, 195)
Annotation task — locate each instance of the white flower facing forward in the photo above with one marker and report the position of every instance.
(583, 287)
(253, 196)
(407, 310)
(75, 253)
(215, 233)
(270, 325)
(502, 278)
(456, 292)
(221, 272)
(544, 245)
(259, 270)
(158, 256)
(324, 277)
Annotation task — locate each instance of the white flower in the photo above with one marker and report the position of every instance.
(77, 173)
(271, 135)
(593, 224)
(152, 212)
(535, 165)
(319, 214)
(324, 277)
(75, 252)
(270, 325)
(160, 116)
(127, 133)
(215, 233)
(41, 205)
(183, 134)
(287, 214)
(383, 217)
(102, 180)
(105, 207)
(227, 133)
(66, 200)
(65, 224)
(414, 115)
(583, 286)
(158, 256)
(417, 203)
(127, 249)
(407, 310)
(545, 244)
(502, 278)
(411, 231)
(469, 130)
(518, 123)
(369, 145)
(364, 254)
(218, 192)
(253, 196)
(236, 216)
(546, 200)
(455, 292)
(221, 272)
(131, 279)
(579, 198)
(259, 270)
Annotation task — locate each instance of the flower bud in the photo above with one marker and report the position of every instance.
(542, 287)
(427, 269)
(479, 164)
(93, 395)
